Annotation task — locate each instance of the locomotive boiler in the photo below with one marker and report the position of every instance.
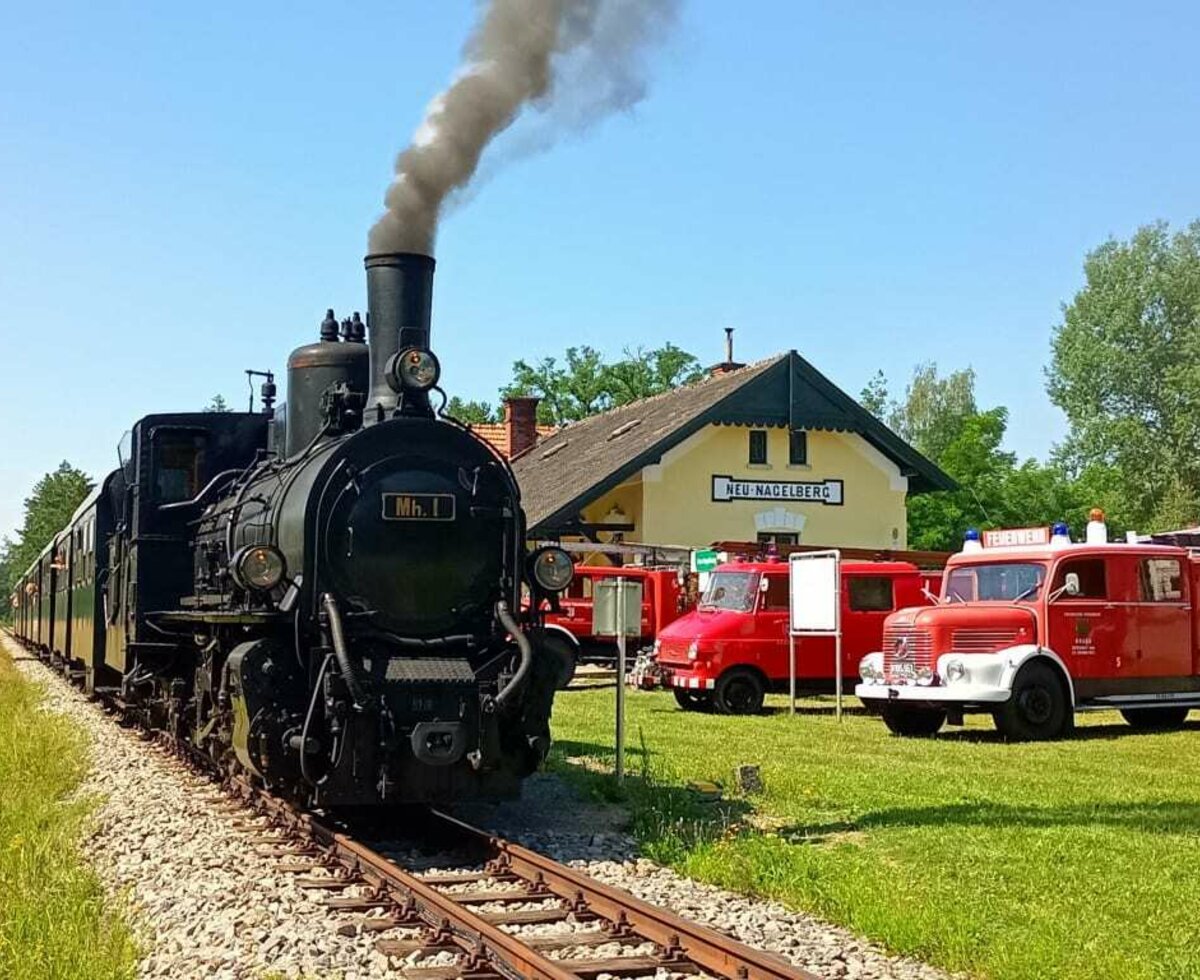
(329, 600)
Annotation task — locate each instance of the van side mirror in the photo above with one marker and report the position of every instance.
(1071, 584)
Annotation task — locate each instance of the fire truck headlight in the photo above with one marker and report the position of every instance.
(926, 677)
(956, 671)
(694, 650)
(867, 671)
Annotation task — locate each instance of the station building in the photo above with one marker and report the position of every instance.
(767, 452)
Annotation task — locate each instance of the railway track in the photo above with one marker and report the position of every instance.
(451, 900)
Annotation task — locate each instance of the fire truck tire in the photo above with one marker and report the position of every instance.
(1156, 719)
(692, 700)
(1038, 708)
(913, 722)
(565, 657)
(739, 692)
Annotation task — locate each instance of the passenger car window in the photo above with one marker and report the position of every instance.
(1093, 580)
(870, 593)
(1161, 580)
(776, 596)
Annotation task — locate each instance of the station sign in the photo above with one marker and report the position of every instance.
(704, 560)
(1015, 537)
(727, 488)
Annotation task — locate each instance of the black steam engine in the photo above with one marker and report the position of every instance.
(332, 600)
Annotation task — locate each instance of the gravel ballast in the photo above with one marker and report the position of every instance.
(206, 904)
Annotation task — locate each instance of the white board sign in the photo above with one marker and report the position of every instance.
(814, 590)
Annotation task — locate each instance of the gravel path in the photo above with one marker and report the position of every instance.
(207, 905)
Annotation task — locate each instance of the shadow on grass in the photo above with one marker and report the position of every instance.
(1082, 733)
(1168, 817)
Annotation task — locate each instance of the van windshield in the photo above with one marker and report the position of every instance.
(730, 590)
(999, 581)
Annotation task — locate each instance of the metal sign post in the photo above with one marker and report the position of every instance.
(815, 609)
(617, 612)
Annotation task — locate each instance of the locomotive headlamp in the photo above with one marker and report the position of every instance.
(551, 569)
(259, 567)
(413, 369)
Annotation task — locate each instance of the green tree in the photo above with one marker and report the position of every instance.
(48, 508)
(585, 384)
(218, 404)
(1126, 371)
(874, 397)
(471, 412)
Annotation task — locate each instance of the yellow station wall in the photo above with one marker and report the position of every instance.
(671, 502)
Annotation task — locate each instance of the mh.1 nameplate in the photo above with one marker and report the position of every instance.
(418, 506)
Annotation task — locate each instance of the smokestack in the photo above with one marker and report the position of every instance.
(520, 423)
(729, 345)
(399, 303)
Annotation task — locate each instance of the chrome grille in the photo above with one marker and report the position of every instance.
(982, 640)
(907, 648)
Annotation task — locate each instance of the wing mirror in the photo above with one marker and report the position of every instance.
(1071, 584)
(763, 584)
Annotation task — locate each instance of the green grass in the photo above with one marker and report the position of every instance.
(1071, 859)
(54, 920)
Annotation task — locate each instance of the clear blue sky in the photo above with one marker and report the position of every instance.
(188, 186)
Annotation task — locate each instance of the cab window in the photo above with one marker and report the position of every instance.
(1093, 579)
(1161, 580)
(776, 596)
(178, 465)
(870, 593)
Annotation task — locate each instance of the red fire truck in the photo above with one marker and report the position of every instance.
(733, 647)
(665, 597)
(1034, 633)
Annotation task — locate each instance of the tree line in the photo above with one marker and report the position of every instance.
(1125, 370)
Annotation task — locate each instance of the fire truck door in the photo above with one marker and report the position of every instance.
(1164, 619)
(1087, 630)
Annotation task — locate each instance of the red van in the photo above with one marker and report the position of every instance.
(733, 648)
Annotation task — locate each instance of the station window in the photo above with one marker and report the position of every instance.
(1093, 581)
(758, 447)
(871, 593)
(798, 447)
(1161, 580)
(780, 537)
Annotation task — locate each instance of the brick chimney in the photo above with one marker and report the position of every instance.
(520, 423)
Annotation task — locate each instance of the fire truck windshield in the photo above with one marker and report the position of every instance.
(730, 590)
(1002, 581)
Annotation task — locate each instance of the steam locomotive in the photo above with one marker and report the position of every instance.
(327, 597)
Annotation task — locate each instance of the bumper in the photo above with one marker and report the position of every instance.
(686, 679)
(918, 694)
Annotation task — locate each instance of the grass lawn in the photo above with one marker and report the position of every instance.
(54, 922)
(1071, 859)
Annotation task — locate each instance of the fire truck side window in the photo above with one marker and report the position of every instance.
(776, 596)
(1093, 582)
(871, 593)
(1161, 580)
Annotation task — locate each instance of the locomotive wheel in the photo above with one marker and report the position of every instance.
(692, 700)
(1037, 709)
(739, 692)
(913, 722)
(1156, 719)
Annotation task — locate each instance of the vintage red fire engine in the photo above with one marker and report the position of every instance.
(733, 648)
(1035, 632)
(664, 599)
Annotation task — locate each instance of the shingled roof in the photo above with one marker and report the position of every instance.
(582, 461)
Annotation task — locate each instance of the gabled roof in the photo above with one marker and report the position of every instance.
(586, 459)
(497, 433)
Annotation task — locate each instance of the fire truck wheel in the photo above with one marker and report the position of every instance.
(739, 692)
(692, 700)
(913, 722)
(1037, 708)
(1156, 719)
(564, 655)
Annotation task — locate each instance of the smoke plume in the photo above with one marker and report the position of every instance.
(570, 62)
